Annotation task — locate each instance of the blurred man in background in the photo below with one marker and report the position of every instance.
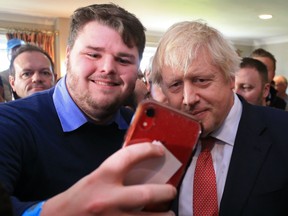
(31, 70)
(269, 60)
(251, 81)
(281, 86)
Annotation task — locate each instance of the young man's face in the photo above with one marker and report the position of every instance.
(33, 73)
(202, 92)
(248, 84)
(101, 71)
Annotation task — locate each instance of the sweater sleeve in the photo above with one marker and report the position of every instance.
(20, 207)
(15, 142)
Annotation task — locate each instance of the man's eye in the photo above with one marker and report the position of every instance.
(246, 88)
(123, 60)
(93, 55)
(46, 73)
(26, 74)
(200, 80)
(176, 84)
(175, 87)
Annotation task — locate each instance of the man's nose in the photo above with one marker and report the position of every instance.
(107, 64)
(237, 90)
(36, 77)
(190, 95)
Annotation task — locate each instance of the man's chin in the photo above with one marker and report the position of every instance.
(34, 90)
(38, 89)
(30, 93)
(106, 104)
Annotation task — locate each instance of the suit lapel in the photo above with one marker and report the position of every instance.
(250, 149)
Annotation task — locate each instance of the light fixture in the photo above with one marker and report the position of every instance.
(265, 16)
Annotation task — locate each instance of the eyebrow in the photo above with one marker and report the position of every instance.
(30, 69)
(120, 54)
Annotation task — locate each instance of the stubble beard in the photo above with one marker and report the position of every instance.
(99, 111)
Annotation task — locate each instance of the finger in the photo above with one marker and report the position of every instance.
(141, 196)
(167, 213)
(122, 161)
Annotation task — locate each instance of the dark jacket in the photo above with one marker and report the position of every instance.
(257, 179)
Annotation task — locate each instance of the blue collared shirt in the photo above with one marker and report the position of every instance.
(71, 117)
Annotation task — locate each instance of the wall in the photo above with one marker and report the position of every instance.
(280, 51)
(62, 26)
(244, 50)
(278, 47)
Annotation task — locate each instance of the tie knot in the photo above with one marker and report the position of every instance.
(207, 144)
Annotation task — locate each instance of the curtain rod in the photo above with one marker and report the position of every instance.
(26, 30)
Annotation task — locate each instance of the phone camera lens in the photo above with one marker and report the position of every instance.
(150, 112)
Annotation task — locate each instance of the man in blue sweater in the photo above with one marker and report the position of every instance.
(55, 144)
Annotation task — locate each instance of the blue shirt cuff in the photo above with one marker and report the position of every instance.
(34, 210)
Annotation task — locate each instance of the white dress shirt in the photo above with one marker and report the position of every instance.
(221, 155)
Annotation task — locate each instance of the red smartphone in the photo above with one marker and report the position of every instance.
(176, 130)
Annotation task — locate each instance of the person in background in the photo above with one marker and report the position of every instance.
(155, 91)
(251, 81)
(1, 91)
(269, 60)
(281, 87)
(12, 45)
(244, 146)
(139, 94)
(31, 70)
(61, 149)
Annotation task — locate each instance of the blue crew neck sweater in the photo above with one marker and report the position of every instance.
(38, 160)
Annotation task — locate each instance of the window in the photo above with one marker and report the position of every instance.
(3, 53)
(147, 54)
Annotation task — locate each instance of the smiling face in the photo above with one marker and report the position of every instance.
(204, 91)
(33, 73)
(101, 71)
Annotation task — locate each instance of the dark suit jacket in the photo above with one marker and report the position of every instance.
(274, 100)
(257, 180)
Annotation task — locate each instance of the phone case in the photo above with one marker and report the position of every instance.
(176, 130)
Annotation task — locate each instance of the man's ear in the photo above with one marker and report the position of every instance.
(68, 50)
(55, 77)
(232, 82)
(12, 82)
(266, 90)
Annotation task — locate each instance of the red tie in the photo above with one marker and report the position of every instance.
(205, 189)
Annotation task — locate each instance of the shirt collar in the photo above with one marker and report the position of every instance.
(228, 130)
(71, 117)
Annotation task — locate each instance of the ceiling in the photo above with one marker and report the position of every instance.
(237, 20)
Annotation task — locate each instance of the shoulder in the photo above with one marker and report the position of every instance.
(127, 114)
(39, 103)
(26, 120)
(269, 117)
